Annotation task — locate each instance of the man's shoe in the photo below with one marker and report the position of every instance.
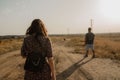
(93, 56)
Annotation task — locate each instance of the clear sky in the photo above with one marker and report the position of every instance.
(60, 16)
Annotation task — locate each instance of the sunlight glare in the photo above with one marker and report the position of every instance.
(110, 9)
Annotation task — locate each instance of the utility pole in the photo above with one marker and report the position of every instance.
(91, 24)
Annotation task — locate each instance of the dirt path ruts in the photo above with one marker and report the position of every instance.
(10, 65)
(72, 66)
(69, 66)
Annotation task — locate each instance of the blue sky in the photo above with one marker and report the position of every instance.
(59, 16)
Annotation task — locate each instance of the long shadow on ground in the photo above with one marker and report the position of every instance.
(66, 73)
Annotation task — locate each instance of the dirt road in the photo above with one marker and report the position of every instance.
(11, 66)
(69, 66)
(75, 67)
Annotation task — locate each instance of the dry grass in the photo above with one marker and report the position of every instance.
(107, 48)
(104, 47)
(7, 45)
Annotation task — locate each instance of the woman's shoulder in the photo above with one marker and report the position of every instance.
(28, 37)
(43, 37)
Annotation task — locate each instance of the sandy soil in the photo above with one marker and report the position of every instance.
(69, 66)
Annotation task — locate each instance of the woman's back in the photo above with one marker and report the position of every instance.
(34, 44)
(37, 41)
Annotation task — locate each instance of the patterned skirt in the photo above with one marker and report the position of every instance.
(44, 75)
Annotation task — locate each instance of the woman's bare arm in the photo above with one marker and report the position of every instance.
(51, 63)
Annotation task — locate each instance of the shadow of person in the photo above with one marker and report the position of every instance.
(66, 73)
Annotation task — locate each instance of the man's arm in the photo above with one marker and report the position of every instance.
(85, 39)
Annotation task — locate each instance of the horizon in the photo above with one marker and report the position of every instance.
(68, 34)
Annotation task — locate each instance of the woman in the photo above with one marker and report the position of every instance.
(35, 40)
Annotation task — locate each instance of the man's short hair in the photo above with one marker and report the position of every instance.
(89, 29)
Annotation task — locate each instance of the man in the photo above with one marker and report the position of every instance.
(89, 41)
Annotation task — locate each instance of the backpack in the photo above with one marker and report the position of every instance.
(35, 61)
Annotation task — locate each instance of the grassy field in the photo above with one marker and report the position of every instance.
(106, 46)
(8, 45)
(69, 63)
